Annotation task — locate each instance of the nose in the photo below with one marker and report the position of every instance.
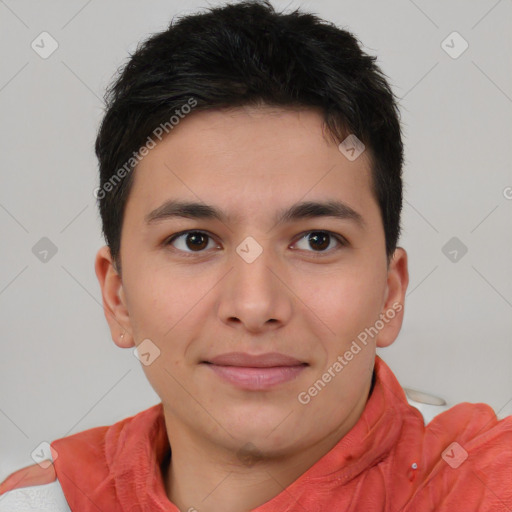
(255, 296)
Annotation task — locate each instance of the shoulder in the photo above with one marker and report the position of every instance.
(474, 424)
(37, 486)
(38, 496)
(470, 458)
(28, 476)
(474, 430)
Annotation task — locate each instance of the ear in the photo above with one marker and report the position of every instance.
(394, 302)
(114, 301)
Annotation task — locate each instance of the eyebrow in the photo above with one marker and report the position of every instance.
(303, 210)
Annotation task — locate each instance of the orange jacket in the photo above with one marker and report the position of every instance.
(389, 461)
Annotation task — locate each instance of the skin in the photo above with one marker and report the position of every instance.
(294, 298)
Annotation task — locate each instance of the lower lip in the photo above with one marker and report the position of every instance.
(257, 378)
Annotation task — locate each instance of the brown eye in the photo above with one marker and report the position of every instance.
(190, 241)
(196, 240)
(319, 241)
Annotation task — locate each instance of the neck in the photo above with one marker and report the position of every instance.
(204, 476)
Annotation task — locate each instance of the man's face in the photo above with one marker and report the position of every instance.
(253, 285)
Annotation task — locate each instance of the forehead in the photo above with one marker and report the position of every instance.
(252, 160)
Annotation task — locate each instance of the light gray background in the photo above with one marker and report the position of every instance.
(60, 371)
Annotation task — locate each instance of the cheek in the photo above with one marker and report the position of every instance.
(160, 301)
(362, 307)
(346, 302)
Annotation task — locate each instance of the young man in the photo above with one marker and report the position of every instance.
(250, 193)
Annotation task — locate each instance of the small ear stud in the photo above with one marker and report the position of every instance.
(122, 336)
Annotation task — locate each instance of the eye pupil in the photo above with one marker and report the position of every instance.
(198, 240)
(315, 236)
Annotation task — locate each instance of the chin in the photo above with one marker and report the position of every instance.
(270, 433)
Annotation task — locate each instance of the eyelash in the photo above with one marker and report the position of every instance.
(340, 239)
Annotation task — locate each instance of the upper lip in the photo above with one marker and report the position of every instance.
(268, 360)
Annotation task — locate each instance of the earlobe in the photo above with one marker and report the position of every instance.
(393, 309)
(114, 303)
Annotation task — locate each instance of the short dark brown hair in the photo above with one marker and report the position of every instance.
(241, 54)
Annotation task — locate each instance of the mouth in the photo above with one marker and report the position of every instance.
(255, 372)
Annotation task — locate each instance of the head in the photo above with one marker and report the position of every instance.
(286, 137)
